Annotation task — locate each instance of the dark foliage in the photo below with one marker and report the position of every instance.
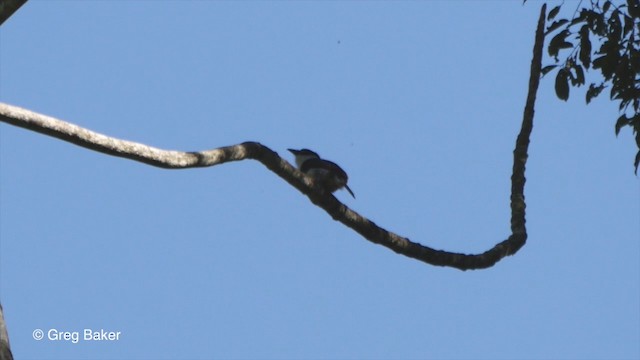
(602, 36)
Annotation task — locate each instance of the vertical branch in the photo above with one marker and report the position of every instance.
(520, 154)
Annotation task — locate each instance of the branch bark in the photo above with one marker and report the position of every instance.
(338, 211)
(5, 349)
(8, 7)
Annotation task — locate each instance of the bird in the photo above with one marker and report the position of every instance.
(325, 174)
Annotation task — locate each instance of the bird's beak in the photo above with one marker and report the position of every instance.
(294, 152)
(349, 190)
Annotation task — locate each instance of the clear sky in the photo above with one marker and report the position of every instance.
(419, 101)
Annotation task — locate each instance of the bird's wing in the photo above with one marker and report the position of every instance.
(325, 165)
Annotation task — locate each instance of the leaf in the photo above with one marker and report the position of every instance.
(562, 84)
(559, 42)
(615, 27)
(556, 24)
(634, 56)
(553, 13)
(623, 104)
(585, 47)
(579, 78)
(594, 90)
(636, 129)
(634, 8)
(584, 14)
(606, 6)
(622, 121)
(595, 20)
(628, 25)
(606, 64)
(547, 68)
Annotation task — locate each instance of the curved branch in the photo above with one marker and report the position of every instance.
(338, 211)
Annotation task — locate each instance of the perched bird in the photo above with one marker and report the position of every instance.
(325, 174)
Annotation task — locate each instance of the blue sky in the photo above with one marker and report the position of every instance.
(419, 101)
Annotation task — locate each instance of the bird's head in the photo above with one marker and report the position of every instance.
(303, 155)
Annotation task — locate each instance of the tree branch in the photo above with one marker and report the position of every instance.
(338, 211)
(8, 7)
(5, 349)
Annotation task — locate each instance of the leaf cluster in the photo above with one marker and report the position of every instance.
(605, 37)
